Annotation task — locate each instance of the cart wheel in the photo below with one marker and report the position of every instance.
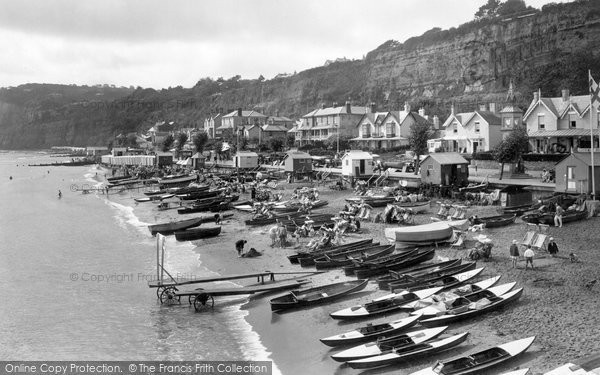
(203, 300)
(159, 290)
(169, 297)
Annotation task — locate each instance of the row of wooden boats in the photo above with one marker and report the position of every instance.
(382, 201)
(214, 204)
(179, 225)
(548, 217)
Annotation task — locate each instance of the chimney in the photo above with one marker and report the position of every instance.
(348, 107)
(373, 107)
(436, 122)
(565, 95)
(536, 96)
(322, 105)
(239, 112)
(406, 107)
(492, 107)
(452, 109)
(422, 112)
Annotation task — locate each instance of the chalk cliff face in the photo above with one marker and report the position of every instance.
(549, 49)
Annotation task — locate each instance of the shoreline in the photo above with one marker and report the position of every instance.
(555, 305)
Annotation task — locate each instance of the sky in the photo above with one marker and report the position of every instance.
(162, 44)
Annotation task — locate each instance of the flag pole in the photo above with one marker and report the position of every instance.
(591, 84)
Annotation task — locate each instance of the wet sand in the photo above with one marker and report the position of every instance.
(556, 305)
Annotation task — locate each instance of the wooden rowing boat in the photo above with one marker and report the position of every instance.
(387, 303)
(370, 332)
(568, 216)
(426, 233)
(373, 201)
(416, 271)
(345, 258)
(442, 278)
(477, 362)
(171, 227)
(360, 264)
(450, 303)
(401, 355)
(494, 221)
(453, 293)
(197, 233)
(411, 260)
(473, 308)
(416, 207)
(316, 295)
(379, 347)
(308, 259)
(516, 210)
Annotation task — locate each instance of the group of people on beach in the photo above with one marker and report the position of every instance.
(529, 254)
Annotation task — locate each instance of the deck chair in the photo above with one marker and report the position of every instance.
(543, 228)
(528, 238)
(539, 242)
(460, 240)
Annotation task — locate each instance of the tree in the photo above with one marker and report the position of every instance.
(512, 6)
(488, 10)
(512, 148)
(132, 140)
(276, 144)
(200, 141)
(167, 143)
(181, 140)
(420, 132)
(290, 140)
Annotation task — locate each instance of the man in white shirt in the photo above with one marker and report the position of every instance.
(529, 254)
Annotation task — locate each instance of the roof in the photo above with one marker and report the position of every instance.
(358, 154)
(280, 118)
(274, 128)
(225, 126)
(245, 114)
(511, 109)
(198, 155)
(298, 155)
(294, 129)
(246, 153)
(354, 110)
(490, 117)
(584, 157)
(559, 107)
(560, 133)
(445, 158)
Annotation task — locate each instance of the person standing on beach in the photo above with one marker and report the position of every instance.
(552, 247)
(514, 253)
(558, 216)
(59, 194)
(529, 254)
(239, 246)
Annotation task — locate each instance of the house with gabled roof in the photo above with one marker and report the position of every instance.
(385, 130)
(211, 124)
(560, 124)
(323, 124)
(469, 132)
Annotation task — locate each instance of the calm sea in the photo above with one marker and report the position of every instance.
(74, 272)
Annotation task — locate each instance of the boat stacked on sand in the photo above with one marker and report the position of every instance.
(447, 278)
(193, 234)
(370, 332)
(346, 257)
(398, 342)
(415, 272)
(400, 355)
(384, 304)
(425, 234)
(412, 259)
(317, 295)
(306, 258)
(494, 221)
(478, 362)
(372, 200)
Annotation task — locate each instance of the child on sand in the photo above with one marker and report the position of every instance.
(239, 246)
(514, 253)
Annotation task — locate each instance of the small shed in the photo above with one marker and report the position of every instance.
(297, 161)
(357, 163)
(198, 161)
(574, 174)
(515, 195)
(445, 168)
(164, 159)
(245, 160)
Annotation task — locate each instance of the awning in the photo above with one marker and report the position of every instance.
(560, 133)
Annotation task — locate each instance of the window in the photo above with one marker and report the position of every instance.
(389, 129)
(571, 182)
(476, 126)
(572, 120)
(365, 131)
(347, 161)
(541, 122)
(454, 128)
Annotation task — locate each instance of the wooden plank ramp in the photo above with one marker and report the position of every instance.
(260, 276)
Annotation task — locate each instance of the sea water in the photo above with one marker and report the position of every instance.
(74, 275)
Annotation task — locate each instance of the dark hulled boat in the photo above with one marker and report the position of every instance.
(197, 233)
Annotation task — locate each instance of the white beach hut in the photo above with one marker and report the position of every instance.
(357, 163)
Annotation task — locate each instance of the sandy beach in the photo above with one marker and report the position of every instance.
(556, 305)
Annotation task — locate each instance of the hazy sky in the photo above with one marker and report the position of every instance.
(169, 43)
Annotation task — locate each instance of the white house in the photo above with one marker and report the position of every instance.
(357, 163)
(560, 124)
(245, 160)
(468, 132)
